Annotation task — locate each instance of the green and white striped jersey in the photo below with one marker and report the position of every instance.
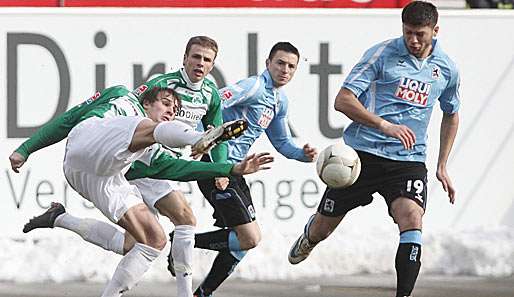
(200, 103)
(156, 162)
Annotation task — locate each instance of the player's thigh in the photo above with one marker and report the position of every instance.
(407, 214)
(153, 190)
(112, 195)
(249, 234)
(100, 145)
(233, 206)
(405, 190)
(165, 197)
(175, 207)
(143, 135)
(337, 202)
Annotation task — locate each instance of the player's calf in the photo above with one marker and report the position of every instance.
(302, 247)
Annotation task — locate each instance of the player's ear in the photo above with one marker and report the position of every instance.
(436, 30)
(268, 62)
(184, 60)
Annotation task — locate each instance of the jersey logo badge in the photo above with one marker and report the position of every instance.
(266, 117)
(401, 63)
(436, 72)
(414, 91)
(227, 94)
(93, 98)
(329, 205)
(140, 90)
(197, 99)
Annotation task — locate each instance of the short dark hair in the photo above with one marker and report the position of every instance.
(283, 46)
(203, 41)
(420, 14)
(150, 96)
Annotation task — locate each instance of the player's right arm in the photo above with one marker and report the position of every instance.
(367, 70)
(59, 128)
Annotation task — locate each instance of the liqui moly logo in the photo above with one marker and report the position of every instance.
(413, 90)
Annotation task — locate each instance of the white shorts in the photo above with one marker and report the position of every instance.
(153, 190)
(96, 159)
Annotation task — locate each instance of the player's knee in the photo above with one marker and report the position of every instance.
(249, 241)
(182, 216)
(156, 239)
(409, 219)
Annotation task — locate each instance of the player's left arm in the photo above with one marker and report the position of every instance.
(280, 136)
(164, 166)
(449, 102)
(214, 118)
(449, 126)
(219, 153)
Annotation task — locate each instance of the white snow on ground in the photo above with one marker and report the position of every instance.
(477, 252)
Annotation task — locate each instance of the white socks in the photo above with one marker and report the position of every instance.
(131, 269)
(94, 231)
(175, 134)
(182, 252)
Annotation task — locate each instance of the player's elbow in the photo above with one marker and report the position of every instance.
(342, 99)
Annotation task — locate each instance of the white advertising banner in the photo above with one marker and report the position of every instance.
(54, 59)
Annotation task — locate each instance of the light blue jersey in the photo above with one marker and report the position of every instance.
(265, 108)
(398, 87)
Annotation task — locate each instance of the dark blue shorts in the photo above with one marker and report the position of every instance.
(391, 179)
(233, 206)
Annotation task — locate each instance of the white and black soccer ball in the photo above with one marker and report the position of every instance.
(338, 166)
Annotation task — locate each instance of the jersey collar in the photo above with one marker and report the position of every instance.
(194, 86)
(268, 80)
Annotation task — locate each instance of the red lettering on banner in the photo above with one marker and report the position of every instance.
(241, 3)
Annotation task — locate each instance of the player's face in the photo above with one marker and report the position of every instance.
(282, 67)
(419, 39)
(198, 62)
(163, 109)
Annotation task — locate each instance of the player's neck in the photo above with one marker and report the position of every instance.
(190, 84)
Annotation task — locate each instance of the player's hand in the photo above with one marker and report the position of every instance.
(252, 163)
(195, 155)
(310, 152)
(401, 132)
(17, 160)
(221, 183)
(444, 178)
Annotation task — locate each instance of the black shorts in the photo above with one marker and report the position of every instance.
(392, 179)
(233, 206)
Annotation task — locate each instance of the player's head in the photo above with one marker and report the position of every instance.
(160, 104)
(201, 51)
(282, 62)
(419, 20)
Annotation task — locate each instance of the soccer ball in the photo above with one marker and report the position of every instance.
(338, 166)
